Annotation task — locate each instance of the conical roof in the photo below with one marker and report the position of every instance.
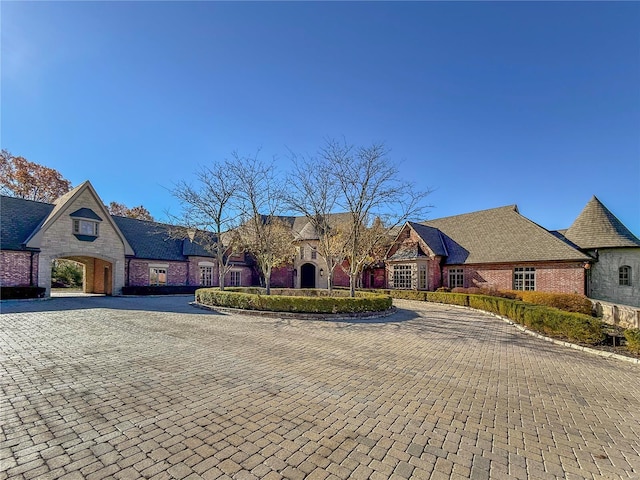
(597, 227)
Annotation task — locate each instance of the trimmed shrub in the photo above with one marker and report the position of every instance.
(254, 299)
(450, 298)
(486, 291)
(633, 340)
(569, 302)
(19, 293)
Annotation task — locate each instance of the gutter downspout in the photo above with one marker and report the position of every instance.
(31, 268)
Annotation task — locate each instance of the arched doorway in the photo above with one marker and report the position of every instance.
(308, 276)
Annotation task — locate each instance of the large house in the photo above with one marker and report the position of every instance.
(496, 248)
(501, 249)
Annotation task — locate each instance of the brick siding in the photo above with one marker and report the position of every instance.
(549, 276)
(15, 269)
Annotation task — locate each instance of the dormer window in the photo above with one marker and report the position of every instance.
(85, 224)
(85, 227)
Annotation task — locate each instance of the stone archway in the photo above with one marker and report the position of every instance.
(308, 276)
(98, 274)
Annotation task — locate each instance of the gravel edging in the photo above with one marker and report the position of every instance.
(329, 317)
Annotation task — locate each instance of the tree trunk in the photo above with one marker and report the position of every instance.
(267, 281)
(352, 284)
(330, 282)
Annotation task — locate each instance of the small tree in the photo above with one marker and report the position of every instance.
(24, 179)
(121, 210)
(263, 233)
(208, 208)
(314, 193)
(66, 272)
(375, 197)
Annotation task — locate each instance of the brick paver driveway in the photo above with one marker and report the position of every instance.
(153, 388)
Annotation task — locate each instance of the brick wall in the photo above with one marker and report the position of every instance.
(282, 277)
(15, 269)
(137, 272)
(567, 277)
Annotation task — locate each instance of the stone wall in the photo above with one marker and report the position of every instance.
(605, 281)
(621, 315)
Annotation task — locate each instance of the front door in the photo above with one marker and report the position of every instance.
(308, 276)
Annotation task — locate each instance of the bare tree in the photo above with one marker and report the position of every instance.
(24, 179)
(375, 197)
(263, 233)
(208, 213)
(313, 192)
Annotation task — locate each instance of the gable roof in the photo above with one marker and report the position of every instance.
(61, 203)
(597, 227)
(499, 235)
(19, 218)
(432, 237)
(303, 229)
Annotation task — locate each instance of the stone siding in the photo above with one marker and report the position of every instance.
(15, 269)
(58, 241)
(605, 281)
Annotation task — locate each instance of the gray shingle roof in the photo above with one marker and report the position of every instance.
(500, 235)
(432, 237)
(86, 213)
(18, 219)
(152, 240)
(597, 227)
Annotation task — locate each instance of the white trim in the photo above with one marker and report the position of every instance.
(206, 264)
(158, 265)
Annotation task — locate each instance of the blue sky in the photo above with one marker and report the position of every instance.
(489, 104)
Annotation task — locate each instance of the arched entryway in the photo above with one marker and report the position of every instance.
(97, 274)
(308, 276)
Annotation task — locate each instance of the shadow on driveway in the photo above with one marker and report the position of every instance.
(169, 304)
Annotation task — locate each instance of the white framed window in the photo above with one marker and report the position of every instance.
(314, 253)
(422, 277)
(236, 278)
(85, 227)
(206, 276)
(524, 278)
(456, 277)
(402, 276)
(157, 276)
(624, 276)
(301, 253)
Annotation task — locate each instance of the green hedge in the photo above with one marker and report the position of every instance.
(550, 321)
(254, 299)
(633, 339)
(18, 293)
